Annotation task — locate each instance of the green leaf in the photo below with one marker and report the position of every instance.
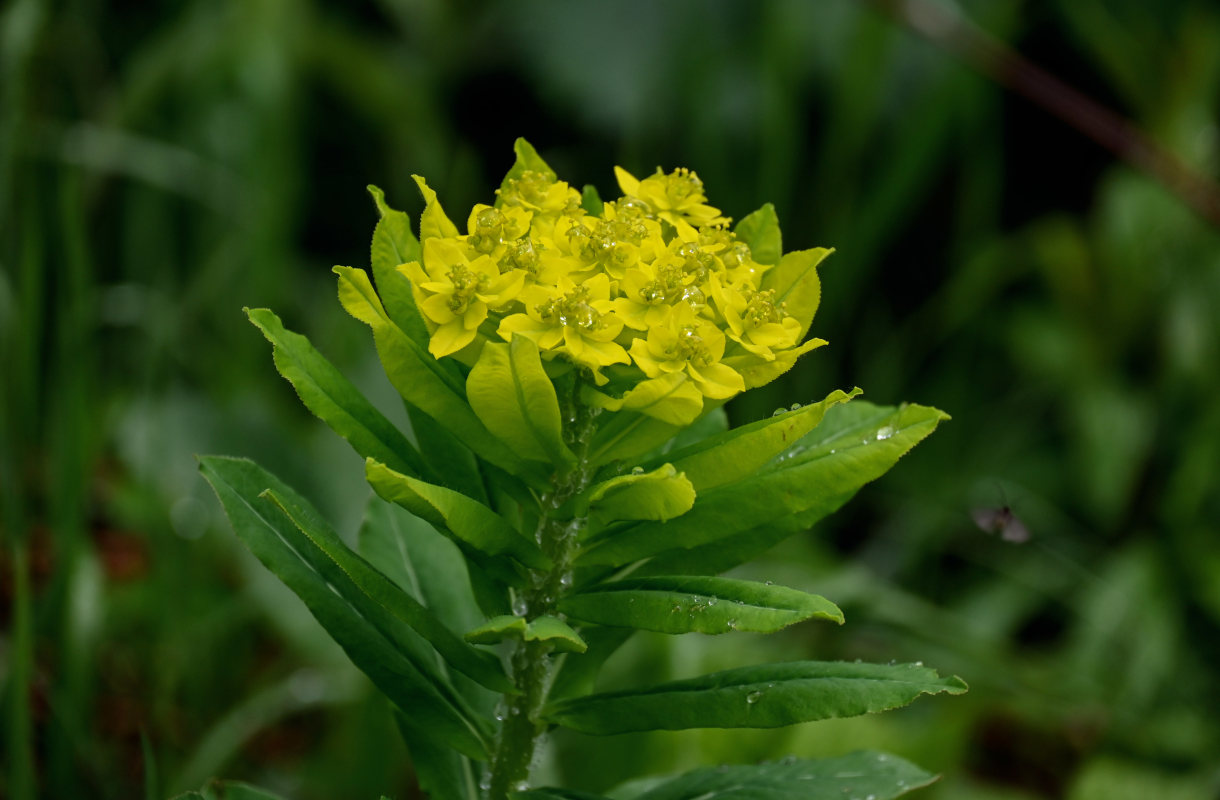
(497, 629)
(428, 566)
(394, 244)
(420, 378)
(796, 284)
(528, 160)
(433, 223)
(661, 494)
(736, 454)
(441, 772)
(862, 774)
(682, 604)
(377, 598)
(511, 393)
(468, 520)
(629, 435)
(332, 397)
(557, 632)
(424, 563)
(760, 230)
(802, 484)
(591, 201)
(766, 696)
(408, 681)
(542, 629)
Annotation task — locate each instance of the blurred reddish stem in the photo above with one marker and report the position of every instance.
(949, 30)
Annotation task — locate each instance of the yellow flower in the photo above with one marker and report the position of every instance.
(676, 198)
(754, 319)
(576, 320)
(545, 197)
(454, 292)
(490, 228)
(690, 344)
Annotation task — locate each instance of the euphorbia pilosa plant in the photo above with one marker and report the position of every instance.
(569, 479)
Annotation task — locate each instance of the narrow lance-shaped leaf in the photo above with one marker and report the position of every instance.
(682, 604)
(801, 481)
(468, 520)
(766, 696)
(395, 244)
(738, 453)
(511, 393)
(860, 775)
(266, 531)
(443, 773)
(420, 378)
(332, 397)
(380, 600)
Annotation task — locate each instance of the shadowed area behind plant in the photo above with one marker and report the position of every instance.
(163, 166)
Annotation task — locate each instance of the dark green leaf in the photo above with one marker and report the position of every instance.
(394, 244)
(409, 682)
(229, 790)
(760, 230)
(443, 773)
(468, 520)
(681, 604)
(801, 484)
(591, 201)
(333, 398)
(767, 696)
(377, 598)
(856, 776)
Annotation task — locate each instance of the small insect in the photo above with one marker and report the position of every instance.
(1002, 521)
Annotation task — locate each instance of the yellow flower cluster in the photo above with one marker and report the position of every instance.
(652, 287)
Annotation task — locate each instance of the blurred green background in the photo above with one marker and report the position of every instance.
(163, 165)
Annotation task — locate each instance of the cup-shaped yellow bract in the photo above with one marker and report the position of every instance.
(652, 296)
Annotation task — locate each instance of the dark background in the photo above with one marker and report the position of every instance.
(164, 164)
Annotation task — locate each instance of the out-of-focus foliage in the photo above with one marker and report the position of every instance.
(163, 165)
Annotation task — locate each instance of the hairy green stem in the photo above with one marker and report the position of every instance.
(530, 662)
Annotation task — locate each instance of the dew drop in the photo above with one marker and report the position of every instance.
(779, 411)
(485, 781)
(520, 607)
(732, 624)
(521, 786)
(637, 470)
(753, 697)
(711, 601)
(884, 432)
(795, 407)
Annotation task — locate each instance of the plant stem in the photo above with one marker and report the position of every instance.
(531, 661)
